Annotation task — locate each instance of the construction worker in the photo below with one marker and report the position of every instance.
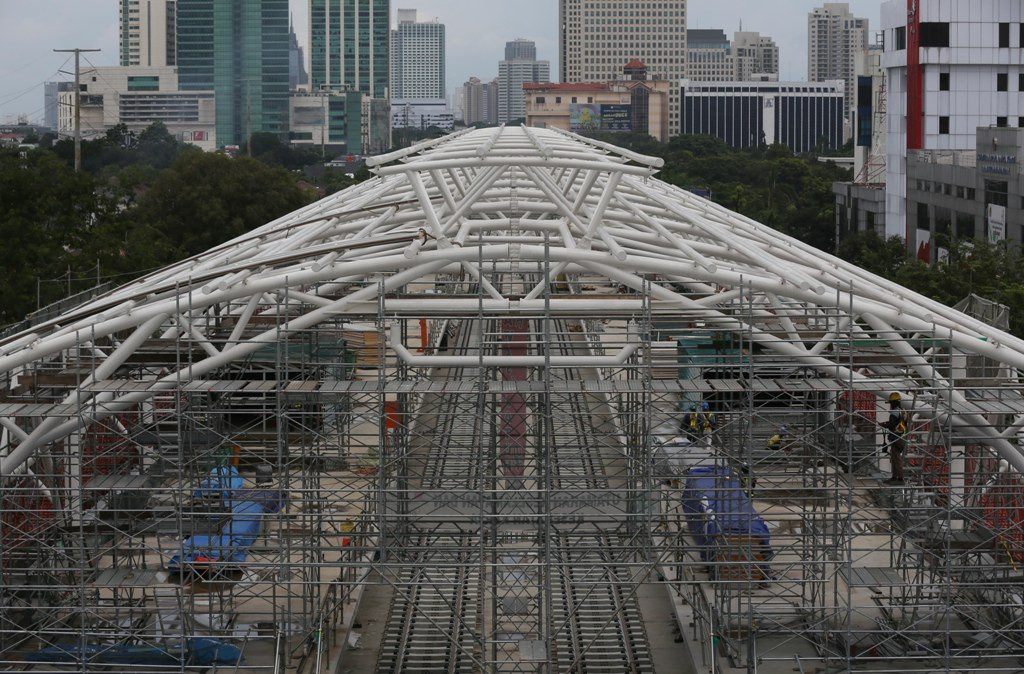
(690, 426)
(776, 441)
(897, 425)
(707, 422)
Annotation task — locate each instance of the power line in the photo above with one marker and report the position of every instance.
(14, 97)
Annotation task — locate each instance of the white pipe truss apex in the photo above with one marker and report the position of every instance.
(483, 205)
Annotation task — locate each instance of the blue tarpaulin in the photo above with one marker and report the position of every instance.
(236, 536)
(222, 482)
(715, 504)
(197, 652)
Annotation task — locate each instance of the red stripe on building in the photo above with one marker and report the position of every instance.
(915, 92)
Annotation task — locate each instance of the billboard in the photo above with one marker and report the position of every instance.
(996, 223)
(592, 117)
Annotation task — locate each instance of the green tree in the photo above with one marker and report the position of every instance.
(47, 213)
(268, 148)
(203, 200)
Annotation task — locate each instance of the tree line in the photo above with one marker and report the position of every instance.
(146, 200)
(794, 195)
(141, 202)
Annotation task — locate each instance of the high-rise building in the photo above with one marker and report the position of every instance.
(710, 55)
(147, 32)
(480, 101)
(753, 55)
(951, 68)
(834, 39)
(349, 46)
(417, 58)
(239, 50)
(297, 75)
(521, 50)
(513, 74)
(597, 36)
(51, 98)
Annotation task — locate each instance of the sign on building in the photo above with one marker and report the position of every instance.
(996, 223)
(592, 117)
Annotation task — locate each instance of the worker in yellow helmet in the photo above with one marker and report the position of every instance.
(896, 425)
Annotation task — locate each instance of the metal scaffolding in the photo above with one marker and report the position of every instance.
(441, 421)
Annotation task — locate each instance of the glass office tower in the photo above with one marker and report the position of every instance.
(349, 45)
(238, 49)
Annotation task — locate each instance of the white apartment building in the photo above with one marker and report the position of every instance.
(951, 66)
(147, 30)
(417, 58)
(754, 55)
(137, 97)
(834, 39)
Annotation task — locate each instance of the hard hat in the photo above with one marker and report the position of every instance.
(895, 397)
(704, 405)
(783, 430)
(693, 408)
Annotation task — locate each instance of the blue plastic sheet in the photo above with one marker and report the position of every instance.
(222, 482)
(232, 543)
(715, 504)
(200, 651)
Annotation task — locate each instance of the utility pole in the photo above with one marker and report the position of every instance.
(78, 108)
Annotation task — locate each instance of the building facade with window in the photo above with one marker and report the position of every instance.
(709, 57)
(147, 31)
(417, 58)
(349, 46)
(804, 116)
(630, 105)
(951, 67)
(597, 36)
(480, 101)
(966, 194)
(137, 97)
(239, 50)
(411, 113)
(753, 56)
(834, 39)
(520, 66)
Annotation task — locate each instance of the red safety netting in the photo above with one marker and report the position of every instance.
(25, 513)
(1002, 504)
(858, 410)
(931, 461)
(107, 448)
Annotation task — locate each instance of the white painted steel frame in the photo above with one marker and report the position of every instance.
(505, 196)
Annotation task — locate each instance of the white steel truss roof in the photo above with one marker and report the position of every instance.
(500, 199)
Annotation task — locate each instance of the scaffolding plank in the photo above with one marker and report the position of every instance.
(115, 482)
(127, 578)
(227, 385)
(872, 576)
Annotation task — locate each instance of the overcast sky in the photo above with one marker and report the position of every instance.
(476, 33)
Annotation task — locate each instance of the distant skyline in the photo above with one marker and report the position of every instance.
(476, 30)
